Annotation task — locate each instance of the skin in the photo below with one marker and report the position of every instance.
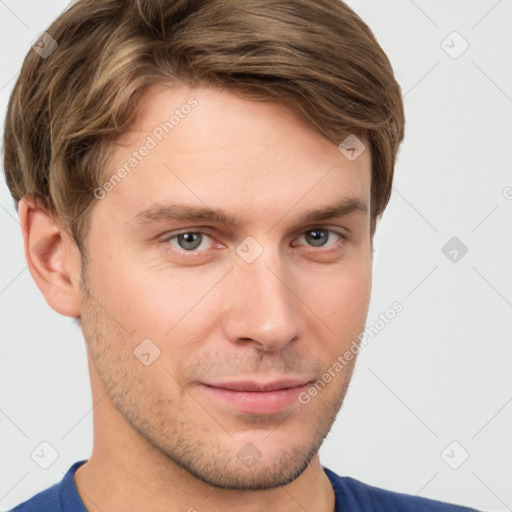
(162, 441)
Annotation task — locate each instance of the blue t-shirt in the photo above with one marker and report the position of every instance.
(351, 496)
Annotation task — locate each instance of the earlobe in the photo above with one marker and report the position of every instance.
(52, 258)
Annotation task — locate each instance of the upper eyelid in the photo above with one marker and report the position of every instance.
(339, 233)
(169, 236)
(206, 231)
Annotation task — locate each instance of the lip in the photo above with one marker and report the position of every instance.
(257, 397)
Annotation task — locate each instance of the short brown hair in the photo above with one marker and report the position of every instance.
(315, 56)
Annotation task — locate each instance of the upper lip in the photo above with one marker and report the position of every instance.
(250, 385)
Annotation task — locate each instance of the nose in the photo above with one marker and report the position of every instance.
(262, 308)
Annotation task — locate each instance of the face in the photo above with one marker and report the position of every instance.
(214, 298)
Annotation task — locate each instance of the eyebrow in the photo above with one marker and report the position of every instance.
(166, 212)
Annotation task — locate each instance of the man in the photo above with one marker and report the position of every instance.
(198, 184)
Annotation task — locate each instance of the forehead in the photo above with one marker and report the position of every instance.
(208, 145)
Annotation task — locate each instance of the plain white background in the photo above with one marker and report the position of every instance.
(434, 386)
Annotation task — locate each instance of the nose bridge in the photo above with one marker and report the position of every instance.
(262, 307)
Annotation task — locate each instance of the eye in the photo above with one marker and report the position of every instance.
(319, 237)
(190, 241)
(198, 241)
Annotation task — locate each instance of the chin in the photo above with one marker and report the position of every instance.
(249, 466)
(254, 474)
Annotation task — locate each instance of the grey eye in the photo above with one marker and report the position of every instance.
(317, 237)
(189, 241)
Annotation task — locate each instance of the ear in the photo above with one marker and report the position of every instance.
(52, 256)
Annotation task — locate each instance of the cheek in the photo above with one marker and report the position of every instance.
(342, 298)
(158, 303)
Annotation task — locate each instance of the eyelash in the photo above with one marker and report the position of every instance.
(167, 239)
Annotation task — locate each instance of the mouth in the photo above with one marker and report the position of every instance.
(257, 397)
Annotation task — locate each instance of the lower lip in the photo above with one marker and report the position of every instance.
(258, 402)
